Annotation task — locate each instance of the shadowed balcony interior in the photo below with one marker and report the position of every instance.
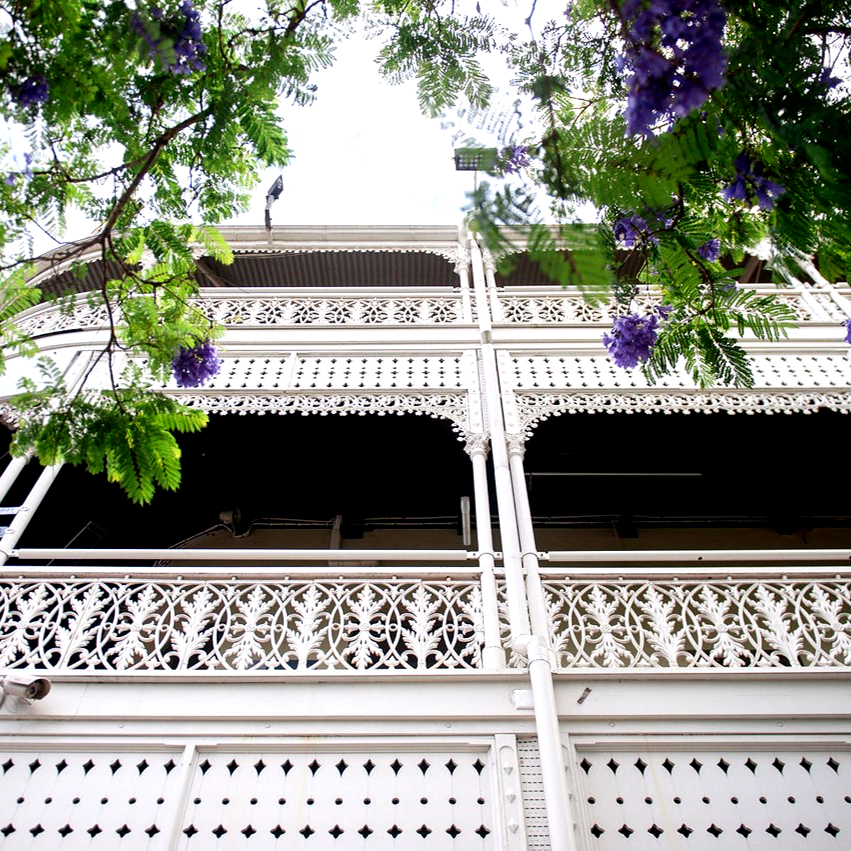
(640, 481)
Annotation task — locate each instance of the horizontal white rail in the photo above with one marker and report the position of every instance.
(241, 555)
(650, 557)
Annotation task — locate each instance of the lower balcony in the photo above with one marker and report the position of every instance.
(262, 611)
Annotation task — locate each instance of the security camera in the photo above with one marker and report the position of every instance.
(29, 688)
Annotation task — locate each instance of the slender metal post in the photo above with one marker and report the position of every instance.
(534, 589)
(24, 515)
(517, 608)
(493, 655)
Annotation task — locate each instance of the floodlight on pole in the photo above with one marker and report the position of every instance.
(272, 195)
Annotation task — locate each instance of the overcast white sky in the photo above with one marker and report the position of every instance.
(365, 154)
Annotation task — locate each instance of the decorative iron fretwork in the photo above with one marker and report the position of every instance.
(284, 625)
(725, 623)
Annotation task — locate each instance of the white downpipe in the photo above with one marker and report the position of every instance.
(535, 591)
(517, 607)
(559, 816)
(23, 517)
(10, 475)
(493, 656)
(536, 646)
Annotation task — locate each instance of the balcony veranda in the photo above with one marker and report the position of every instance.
(381, 612)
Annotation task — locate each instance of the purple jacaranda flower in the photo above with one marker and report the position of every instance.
(193, 367)
(632, 339)
(32, 92)
(10, 179)
(848, 330)
(710, 250)
(184, 34)
(630, 229)
(751, 186)
(675, 71)
(513, 158)
(827, 80)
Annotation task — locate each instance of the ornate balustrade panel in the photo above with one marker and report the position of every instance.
(178, 624)
(589, 373)
(726, 623)
(276, 310)
(571, 308)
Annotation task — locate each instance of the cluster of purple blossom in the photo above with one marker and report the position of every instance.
(514, 158)
(26, 172)
(32, 92)
(675, 71)
(183, 34)
(710, 251)
(751, 185)
(631, 229)
(848, 330)
(633, 337)
(192, 367)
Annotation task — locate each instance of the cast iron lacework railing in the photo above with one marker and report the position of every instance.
(280, 310)
(688, 618)
(306, 623)
(396, 619)
(548, 306)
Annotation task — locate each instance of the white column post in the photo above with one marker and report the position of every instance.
(461, 270)
(517, 608)
(24, 515)
(534, 589)
(11, 473)
(493, 655)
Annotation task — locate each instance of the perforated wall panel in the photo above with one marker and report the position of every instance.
(755, 800)
(336, 800)
(51, 800)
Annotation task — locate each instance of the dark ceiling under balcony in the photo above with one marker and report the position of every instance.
(296, 269)
(583, 470)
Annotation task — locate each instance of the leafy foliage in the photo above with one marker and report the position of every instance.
(759, 151)
(147, 116)
(129, 435)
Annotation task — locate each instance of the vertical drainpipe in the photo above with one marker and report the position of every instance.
(493, 656)
(517, 608)
(536, 645)
(26, 511)
(476, 446)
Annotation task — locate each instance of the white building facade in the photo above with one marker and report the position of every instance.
(440, 576)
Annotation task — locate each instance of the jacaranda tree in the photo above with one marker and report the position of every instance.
(698, 129)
